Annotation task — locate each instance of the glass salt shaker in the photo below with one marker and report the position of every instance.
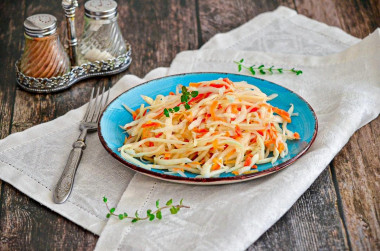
(44, 55)
(101, 39)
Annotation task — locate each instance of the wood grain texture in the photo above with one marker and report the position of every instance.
(221, 16)
(357, 169)
(310, 224)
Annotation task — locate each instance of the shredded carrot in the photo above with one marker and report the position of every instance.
(238, 131)
(212, 109)
(134, 115)
(234, 109)
(215, 167)
(235, 172)
(230, 154)
(248, 160)
(167, 155)
(281, 147)
(195, 84)
(228, 81)
(150, 124)
(296, 135)
(283, 114)
(215, 143)
(195, 163)
(178, 169)
(171, 93)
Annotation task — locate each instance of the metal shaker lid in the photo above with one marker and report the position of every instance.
(100, 9)
(40, 25)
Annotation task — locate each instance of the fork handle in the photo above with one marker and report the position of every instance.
(65, 183)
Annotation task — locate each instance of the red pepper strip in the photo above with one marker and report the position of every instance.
(254, 109)
(199, 98)
(159, 135)
(200, 130)
(150, 143)
(219, 85)
(261, 132)
(153, 124)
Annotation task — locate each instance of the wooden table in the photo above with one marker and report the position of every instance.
(339, 211)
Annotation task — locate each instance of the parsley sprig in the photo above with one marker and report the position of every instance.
(185, 98)
(150, 214)
(263, 70)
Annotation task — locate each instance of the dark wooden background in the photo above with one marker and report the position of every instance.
(340, 210)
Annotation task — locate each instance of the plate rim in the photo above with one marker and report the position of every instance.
(211, 180)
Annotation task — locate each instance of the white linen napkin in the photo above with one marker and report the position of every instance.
(33, 160)
(344, 90)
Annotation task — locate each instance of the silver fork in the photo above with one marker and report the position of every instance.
(88, 124)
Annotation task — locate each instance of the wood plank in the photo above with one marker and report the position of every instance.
(310, 224)
(222, 16)
(357, 169)
(324, 11)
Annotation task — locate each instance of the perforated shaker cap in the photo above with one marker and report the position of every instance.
(40, 25)
(101, 9)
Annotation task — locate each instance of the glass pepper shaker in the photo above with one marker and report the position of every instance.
(44, 55)
(101, 39)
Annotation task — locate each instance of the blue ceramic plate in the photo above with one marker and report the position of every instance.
(112, 136)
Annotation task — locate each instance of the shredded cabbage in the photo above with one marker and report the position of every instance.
(229, 128)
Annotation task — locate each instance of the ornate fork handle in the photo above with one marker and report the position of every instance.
(65, 183)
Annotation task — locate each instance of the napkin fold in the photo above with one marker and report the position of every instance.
(344, 96)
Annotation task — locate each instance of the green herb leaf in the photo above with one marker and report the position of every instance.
(173, 210)
(151, 217)
(176, 109)
(121, 216)
(108, 215)
(183, 98)
(166, 112)
(187, 106)
(137, 214)
(104, 199)
(279, 70)
(125, 215)
(239, 68)
(112, 210)
(262, 71)
(194, 94)
(159, 215)
(171, 110)
(134, 220)
(180, 202)
(241, 60)
(169, 202)
(252, 70)
(158, 203)
(298, 73)
(261, 66)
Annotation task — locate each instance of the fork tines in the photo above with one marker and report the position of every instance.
(96, 105)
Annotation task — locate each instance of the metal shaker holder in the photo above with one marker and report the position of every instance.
(77, 73)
